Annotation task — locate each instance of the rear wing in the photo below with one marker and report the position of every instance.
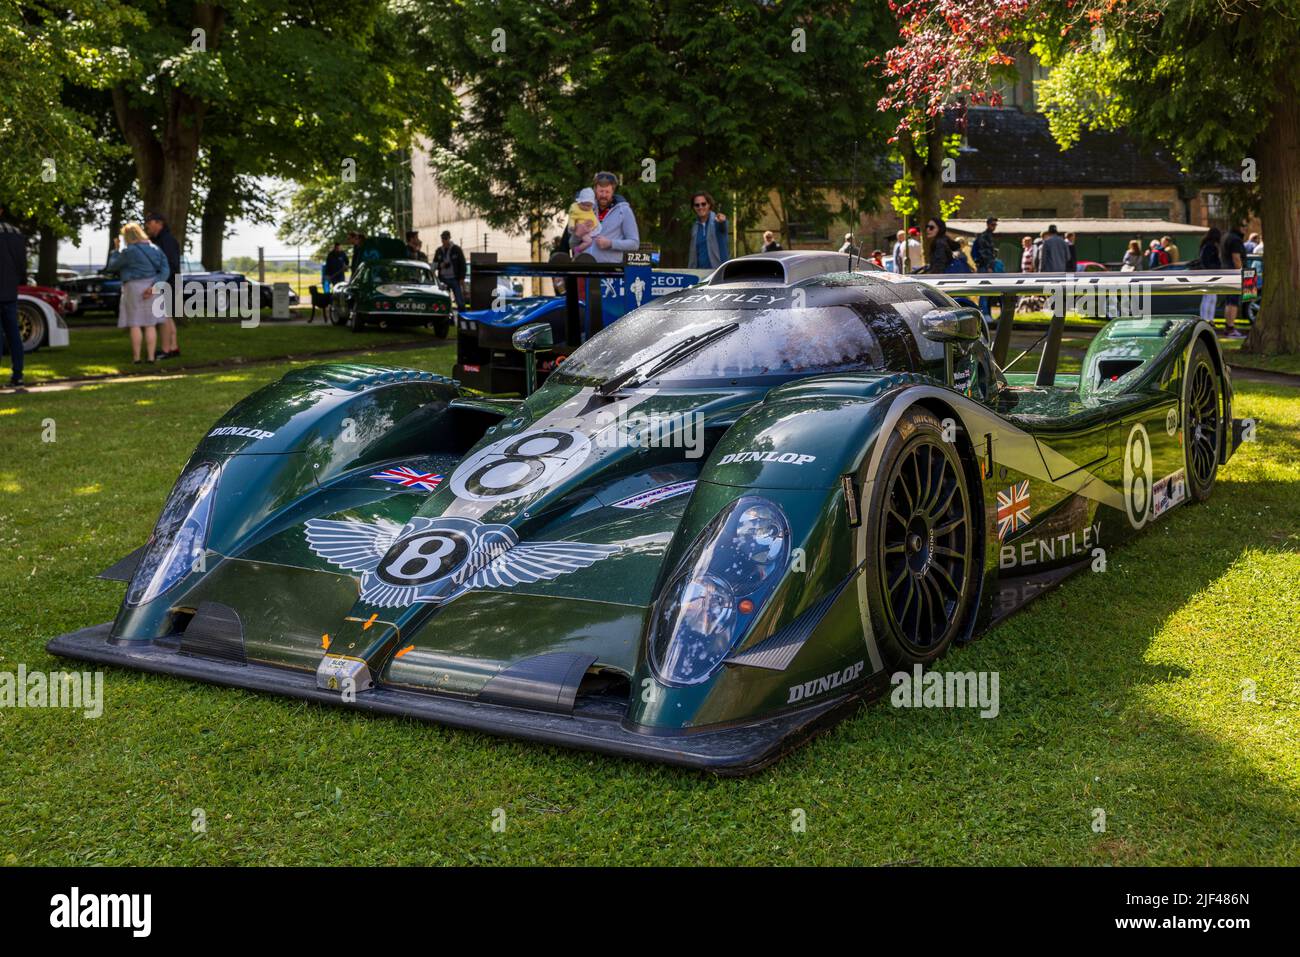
(1157, 283)
(1117, 294)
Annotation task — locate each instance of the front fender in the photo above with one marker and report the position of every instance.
(281, 444)
(795, 450)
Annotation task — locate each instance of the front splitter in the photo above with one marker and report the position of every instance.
(734, 750)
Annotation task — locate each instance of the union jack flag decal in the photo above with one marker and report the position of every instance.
(1013, 509)
(408, 477)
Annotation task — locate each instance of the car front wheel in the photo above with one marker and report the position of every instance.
(921, 543)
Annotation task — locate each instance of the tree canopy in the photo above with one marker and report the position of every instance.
(738, 99)
(52, 153)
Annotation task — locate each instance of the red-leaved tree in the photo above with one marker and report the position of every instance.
(1212, 81)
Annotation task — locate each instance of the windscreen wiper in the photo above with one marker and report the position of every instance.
(687, 347)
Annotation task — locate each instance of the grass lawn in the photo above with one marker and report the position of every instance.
(1120, 691)
(1287, 362)
(106, 350)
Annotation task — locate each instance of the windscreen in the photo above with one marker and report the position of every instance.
(402, 272)
(771, 339)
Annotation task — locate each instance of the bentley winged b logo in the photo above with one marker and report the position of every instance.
(438, 559)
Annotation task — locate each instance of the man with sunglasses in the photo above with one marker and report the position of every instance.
(709, 248)
(618, 229)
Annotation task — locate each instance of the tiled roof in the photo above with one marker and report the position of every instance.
(1006, 147)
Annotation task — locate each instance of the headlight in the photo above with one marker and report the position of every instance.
(179, 537)
(717, 590)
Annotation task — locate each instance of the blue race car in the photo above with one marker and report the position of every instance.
(485, 358)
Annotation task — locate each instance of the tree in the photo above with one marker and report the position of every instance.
(324, 209)
(166, 78)
(738, 99)
(1210, 80)
(948, 51)
(348, 94)
(263, 87)
(51, 153)
(1227, 100)
(104, 199)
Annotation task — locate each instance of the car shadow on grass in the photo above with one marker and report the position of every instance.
(1098, 709)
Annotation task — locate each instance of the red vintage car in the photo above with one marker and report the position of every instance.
(41, 313)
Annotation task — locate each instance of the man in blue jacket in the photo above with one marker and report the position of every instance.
(709, 248)
(13, 273)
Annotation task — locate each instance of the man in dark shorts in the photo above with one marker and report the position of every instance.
(1233, 255)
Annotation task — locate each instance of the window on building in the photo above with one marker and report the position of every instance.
(1216, 210)
(1044, 212)
(806, 232)
(1146, 210)
(1096, 207)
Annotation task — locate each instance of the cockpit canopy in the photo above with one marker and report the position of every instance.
(835, 322)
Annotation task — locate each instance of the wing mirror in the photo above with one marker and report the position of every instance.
(531, 340)
(953, 325)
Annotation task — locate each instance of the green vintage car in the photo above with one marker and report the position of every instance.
(392, 292)
(719, 525)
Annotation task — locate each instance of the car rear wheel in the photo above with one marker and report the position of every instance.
(355, 322)
(921, 543)
(31, 327)
(1202, 420)
(441, 327)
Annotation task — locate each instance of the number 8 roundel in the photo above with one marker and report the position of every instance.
(1137, 476)
(520, 465)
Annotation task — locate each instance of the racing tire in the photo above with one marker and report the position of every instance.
(1202, 422)
(921, 549)
(441, 327)
(31, 326)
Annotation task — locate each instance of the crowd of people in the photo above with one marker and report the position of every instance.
(1053, 251)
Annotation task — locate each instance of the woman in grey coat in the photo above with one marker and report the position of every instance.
(140, 264)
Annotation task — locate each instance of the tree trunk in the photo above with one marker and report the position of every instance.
(165, 162)
(116, 202)
(216, 212)
(212, 232)
(927, 176)
(47, 257)
(1278, 148)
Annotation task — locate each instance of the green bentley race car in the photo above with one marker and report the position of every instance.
(392, 292)
(721, 523)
